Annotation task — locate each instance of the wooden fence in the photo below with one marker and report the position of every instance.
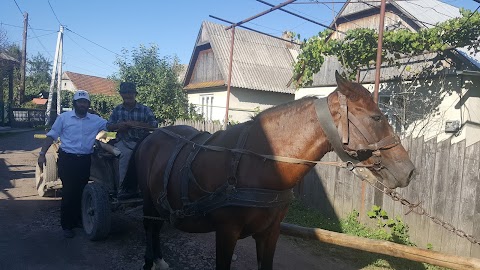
(447, 185)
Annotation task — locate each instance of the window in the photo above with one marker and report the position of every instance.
(207, 106)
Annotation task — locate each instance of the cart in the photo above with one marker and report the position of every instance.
(99, 196)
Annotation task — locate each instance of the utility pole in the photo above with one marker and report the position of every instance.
(23, 63)
(59, 78)
(379, 51)
(54, 73)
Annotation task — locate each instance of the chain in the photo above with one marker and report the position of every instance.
(418, 209)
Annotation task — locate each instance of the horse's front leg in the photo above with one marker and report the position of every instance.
(226, 239)
(152, 225)
(266, 243)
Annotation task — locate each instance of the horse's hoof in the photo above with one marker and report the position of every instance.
(146, 267)
(160, 264)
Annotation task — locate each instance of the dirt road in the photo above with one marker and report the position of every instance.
(31, 237)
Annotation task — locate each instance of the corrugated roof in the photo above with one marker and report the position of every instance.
(92, 84)
(6, 57)
(259, 62)
(425, 13)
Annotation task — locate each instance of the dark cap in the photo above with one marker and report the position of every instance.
(127, 87)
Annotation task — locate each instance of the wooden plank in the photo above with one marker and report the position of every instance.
(412, 193)
(468, 194)
(348, 195)
(340, 193)
(425, 178)
(452, 202)
(406, 142)
(439, 192)
(331, 175)
(382, 247)
(475, 252)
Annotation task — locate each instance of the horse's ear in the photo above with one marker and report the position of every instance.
(345, 86)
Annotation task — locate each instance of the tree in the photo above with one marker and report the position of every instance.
(38, 76)
(157, 81)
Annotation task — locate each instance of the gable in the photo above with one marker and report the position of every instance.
(259, 62)
(413, 15)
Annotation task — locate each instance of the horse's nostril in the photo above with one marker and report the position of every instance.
(412, 174)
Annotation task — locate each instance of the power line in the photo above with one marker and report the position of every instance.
(92, 42)
(19, 9)
(18, 26)
(89, 52)
(54, 13)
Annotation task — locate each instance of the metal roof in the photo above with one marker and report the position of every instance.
(425, 13)
(259, 62)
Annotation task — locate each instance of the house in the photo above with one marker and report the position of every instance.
(420, 100)
(93, 85)
(261, 70)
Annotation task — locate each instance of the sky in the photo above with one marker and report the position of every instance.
(97, 31)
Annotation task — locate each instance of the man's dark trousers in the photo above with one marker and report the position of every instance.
(74, 171)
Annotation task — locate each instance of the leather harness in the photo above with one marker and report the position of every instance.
(229, 194)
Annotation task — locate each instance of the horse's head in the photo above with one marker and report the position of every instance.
(367, 136)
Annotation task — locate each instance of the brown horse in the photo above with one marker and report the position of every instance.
(238, 182)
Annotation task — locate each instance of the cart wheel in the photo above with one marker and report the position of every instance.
(95, 211)
(49, 174)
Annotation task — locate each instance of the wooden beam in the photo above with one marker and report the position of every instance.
(382, 247)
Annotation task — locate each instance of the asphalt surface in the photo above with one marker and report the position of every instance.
(31, 236)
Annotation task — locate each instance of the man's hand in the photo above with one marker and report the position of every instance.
(41, 161)
(122, 126)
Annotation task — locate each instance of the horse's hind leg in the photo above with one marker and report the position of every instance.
(152, 226)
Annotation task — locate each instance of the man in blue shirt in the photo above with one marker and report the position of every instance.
(132, 121)
(77, 130)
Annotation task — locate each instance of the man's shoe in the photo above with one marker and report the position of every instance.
(68, 233)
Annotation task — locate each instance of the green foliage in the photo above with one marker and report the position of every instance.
(301, 215)
(100, 104)
(157, 81)
(393, 229)
(38, 76)
(358, 48)
(386, 229)
(103, 104)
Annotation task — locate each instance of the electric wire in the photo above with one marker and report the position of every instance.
(88, 52)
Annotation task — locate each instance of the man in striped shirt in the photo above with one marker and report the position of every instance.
(132, 121)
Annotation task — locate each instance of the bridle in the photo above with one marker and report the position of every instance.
(339, 136)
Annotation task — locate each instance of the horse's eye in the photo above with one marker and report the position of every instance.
(377, 118)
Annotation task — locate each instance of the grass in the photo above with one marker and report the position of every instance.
(304, 216)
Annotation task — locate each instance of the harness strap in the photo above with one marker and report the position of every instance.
(180, 143)
(370, 137)
(186, 171)
(246, 197)
(342, 99)
(242, 140)
(326, 122)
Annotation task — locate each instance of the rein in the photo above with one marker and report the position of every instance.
(265, 157)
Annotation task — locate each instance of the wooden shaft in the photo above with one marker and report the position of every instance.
(382, 247)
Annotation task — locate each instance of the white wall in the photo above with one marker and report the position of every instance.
(242, 105)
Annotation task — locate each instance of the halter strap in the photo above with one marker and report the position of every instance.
(326, 122)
